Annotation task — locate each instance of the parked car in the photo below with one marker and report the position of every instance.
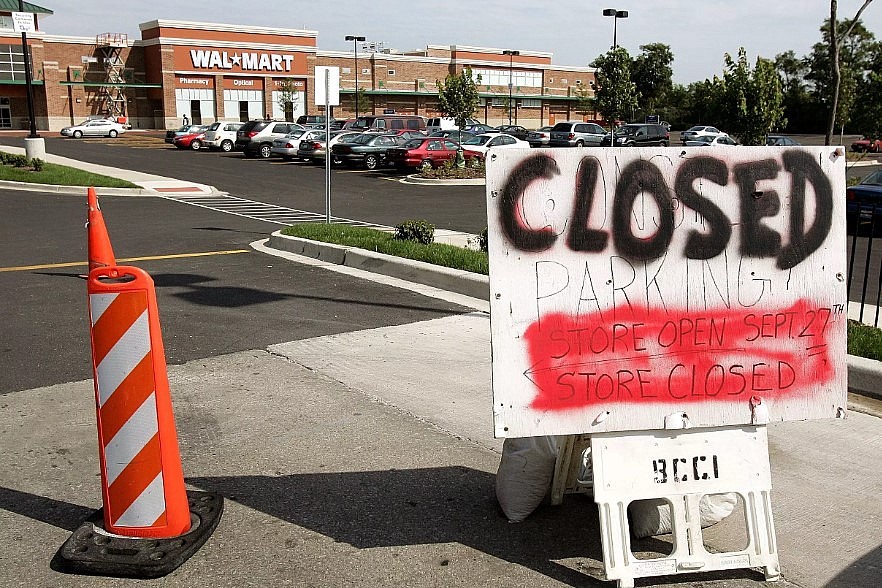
(867, 145)
(192, 140)
(719, 140)
(172, 134)
(407, 134)
(431, 151)
(314, 121)
(481, 145)
(446, 123)
(342, 137)
(454, 134)
(780, 141)
(99, 127)
(540, 137)
(255, 138)
(574, 133)
(286, 147)
(514, 130)
(863, 201)
(308, 136)
(389, 122)
(342, 125)
(480, 128)
(368, 149)
(639, 135)
(222, 136)
(699, 131)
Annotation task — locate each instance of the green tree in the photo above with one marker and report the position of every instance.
(616, 95)
(458, 98)
(289, 97)
(751, 103)
(585, 102)
(652, 75)
(835, 48)
(801, 109)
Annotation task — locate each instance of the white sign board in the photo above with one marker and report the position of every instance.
(331, 77)
(23, 22)
(629, 284)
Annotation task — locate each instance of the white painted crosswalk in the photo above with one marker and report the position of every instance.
(261, 211)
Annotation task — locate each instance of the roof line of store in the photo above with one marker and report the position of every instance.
(480, 94)
(100, 84)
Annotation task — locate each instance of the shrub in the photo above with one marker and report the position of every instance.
(420, 231)
(20, 160)
(37, 164)
(4, 157)
(482, 240)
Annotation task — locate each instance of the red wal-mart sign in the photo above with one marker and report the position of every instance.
(632, 284)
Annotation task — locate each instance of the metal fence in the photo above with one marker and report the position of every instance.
(864, 222)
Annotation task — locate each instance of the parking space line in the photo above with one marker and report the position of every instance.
(27, 268)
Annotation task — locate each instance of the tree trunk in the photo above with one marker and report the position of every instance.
(837, 76)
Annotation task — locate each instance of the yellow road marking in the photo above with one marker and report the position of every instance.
(26, 268)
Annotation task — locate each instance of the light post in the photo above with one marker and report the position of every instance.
(511, 55)
(616, 14)
(355, 41)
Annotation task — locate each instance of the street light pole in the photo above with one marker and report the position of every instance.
(511, 55)
(355, 41)
(616, 14)
(28, 81)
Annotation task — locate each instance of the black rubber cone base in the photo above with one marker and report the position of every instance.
(91, 550)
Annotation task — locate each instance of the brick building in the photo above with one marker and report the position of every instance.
(210, 71)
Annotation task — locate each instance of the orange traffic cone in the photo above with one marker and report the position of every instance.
(100, 250)
(151, 523)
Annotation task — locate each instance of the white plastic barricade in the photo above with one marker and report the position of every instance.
(682, 467)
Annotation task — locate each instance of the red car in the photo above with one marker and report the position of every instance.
(432, 151)
(865, 144)
(192, 140)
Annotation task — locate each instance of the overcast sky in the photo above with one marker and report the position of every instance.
(699, 32)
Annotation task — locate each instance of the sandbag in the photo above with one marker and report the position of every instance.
(653, 516)
(525, 474)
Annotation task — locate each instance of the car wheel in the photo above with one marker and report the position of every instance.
(227, 146)
(664, 143)
(580, 143)
(371, 162)
(266, 150)
(426, 163)
(112, 133)
(336, 160)
(196, 144)
(77, 134)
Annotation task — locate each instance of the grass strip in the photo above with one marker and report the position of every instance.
(61, 175)
(383, 242)
(864, 341)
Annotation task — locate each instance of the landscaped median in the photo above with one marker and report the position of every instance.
(439, 265)
(18, 168)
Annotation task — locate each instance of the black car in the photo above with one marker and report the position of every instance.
(638, 135)
(515, 131)
(368, 149)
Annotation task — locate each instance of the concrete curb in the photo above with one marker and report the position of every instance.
(459, 281)
(416, 179)
(864, 375)
(75, 190)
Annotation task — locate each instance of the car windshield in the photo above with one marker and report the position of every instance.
(349, 138)
(874, 179)
(294, 134)
(363, 139)
(695, 129)
(479, 140)
(413, 144)
(626, 130)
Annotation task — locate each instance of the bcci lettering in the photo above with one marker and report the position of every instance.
(247, 61)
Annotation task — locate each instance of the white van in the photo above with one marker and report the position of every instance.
(222, 135)
(445, 123)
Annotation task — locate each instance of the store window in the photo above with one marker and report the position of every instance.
(5, 114)
(11, 63)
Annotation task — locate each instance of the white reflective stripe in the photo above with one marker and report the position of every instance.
(146, 508)
(122, 359)
(131, 439)
(98, 303)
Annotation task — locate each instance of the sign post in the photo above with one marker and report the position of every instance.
(23, 22)
(666, 304)
(327, 92)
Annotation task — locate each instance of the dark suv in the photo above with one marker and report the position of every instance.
(635, 135)
(255, 138)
